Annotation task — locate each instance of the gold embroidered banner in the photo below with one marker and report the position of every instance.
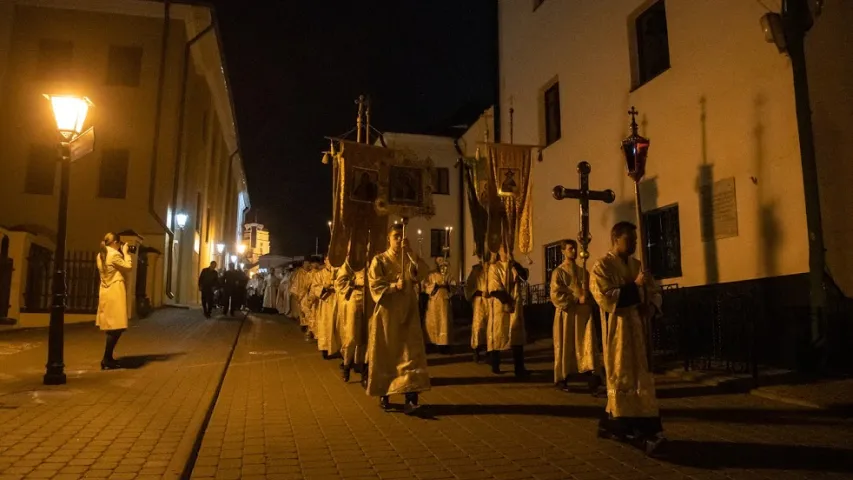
(358, 231)
(509, 197)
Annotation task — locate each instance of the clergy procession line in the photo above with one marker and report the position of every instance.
(371, 320)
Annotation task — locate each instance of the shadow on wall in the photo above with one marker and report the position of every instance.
(770, 231)
(705, 181)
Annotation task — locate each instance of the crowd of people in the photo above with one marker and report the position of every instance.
(373, 321)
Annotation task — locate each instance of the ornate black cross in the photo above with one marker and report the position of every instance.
(583, 194)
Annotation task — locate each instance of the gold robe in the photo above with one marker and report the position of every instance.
(352, 321)
(298, 289)
(630, 385)
(475, 289)
(325, 330)
(575, 339)
(505, 329)
(438, 320)
(395, 342)
(309, 301)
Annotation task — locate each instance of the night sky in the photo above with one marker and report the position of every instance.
(297, 67)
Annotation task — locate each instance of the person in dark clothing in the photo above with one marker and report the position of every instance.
(235, 285)
(208, 279)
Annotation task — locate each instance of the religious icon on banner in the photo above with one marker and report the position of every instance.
(366, 185)
(405, 186)
(509, 186)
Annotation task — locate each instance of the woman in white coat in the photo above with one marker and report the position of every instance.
(114, 262)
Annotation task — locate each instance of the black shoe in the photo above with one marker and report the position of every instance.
(411, 408)
(357, 368)
(345, 373)
(325, 354)
(110, 365)
(384, 403)
(476, 356)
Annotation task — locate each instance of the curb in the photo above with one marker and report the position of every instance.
(784, 399)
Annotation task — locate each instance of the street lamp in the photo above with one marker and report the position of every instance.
(70, 115)
(220, 248)
(181, 218)
(234, 259)
(241, 249)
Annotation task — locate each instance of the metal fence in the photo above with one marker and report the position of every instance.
(82, 281)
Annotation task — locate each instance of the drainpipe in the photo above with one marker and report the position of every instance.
(460, 164)
(179, 146)
(164, 46)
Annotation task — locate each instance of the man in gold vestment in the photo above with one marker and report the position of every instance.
(352, 322)
(475, 291)
(309, 300)
(506, 312)
(627, 297)
(438, 321)
(395, 344)
(575, 338)
(328, 342)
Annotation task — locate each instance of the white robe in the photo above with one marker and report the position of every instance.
(282, 303)
(271, 291)
(112, 294)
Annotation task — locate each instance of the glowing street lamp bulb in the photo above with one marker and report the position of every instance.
(182, 218)
(241, 249)
(70, 113)
(420, 232)
(329, 223)
(220, 248)
(233, 258)
(242, 266)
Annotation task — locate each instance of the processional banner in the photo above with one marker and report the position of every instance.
(506, 192)
(369, 184)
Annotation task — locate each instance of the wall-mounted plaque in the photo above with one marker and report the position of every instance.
(719, 210)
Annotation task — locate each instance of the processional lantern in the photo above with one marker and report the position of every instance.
(636, 150)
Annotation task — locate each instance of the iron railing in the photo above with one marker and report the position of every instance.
(82, 281)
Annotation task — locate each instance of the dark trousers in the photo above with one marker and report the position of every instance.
(237, 297)
(207, 302)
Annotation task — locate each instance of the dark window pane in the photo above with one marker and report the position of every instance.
(552, 114)
(553, 259)
(41, 170)
(54, 60)
(113, 174)
(438, 237)
(663, 241)
(125, 66)
(441, 181)
(652, 42)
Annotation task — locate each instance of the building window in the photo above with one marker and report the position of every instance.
(553, 259)
(441, 181)
(253, 238)
(537, 3)
(113, 175)
(41, 170)
(552, 114)
(54, 60)
(652, 43)
(437, 241)
(125, 66)
(663, 241)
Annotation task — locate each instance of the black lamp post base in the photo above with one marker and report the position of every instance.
(54, 378)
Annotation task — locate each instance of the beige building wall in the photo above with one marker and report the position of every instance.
(211, 186)
(726, 103)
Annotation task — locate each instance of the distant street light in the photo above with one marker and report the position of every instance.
(241, 249)
(233, 258)
(220, 248)
(70, 114)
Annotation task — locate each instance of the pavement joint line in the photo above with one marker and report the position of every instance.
(186, 473)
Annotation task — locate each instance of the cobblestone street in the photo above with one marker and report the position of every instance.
(283, 412)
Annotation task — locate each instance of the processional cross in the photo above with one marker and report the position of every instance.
(583, 195)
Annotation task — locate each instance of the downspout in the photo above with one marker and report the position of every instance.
(179, 146)
(460, 164)
(164, 46)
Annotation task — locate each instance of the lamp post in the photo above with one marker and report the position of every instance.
(220, 248)
(181, 219)
(70, 115)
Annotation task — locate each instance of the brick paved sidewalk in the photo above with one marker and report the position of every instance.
(284, 413)
(134, 423)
